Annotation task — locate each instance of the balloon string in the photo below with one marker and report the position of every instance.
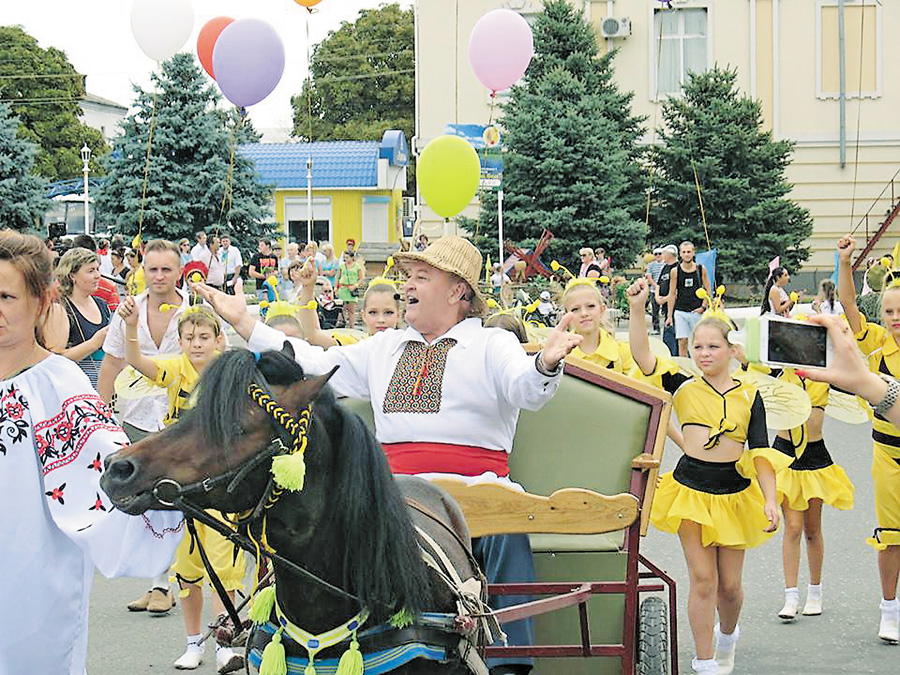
(491, 116)
(228, 194)
(309, 82)
(147, 166)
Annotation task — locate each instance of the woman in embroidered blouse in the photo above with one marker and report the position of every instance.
(79, 330)
(711, 500)
(55, 432)
(879, 345)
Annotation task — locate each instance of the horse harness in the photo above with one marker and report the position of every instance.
(444, 632)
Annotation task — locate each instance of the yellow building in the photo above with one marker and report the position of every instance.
(787, 55)
(357, 190)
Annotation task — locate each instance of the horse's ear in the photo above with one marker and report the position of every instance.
(288, 350)
(301, 393)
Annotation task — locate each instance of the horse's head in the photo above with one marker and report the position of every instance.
(220, 452)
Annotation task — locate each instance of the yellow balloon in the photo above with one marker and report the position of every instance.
(448, 173)
(307, 3)
(272, 280)
(648, 257)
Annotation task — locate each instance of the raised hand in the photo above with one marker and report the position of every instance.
(560, 342)
(128, 311)
(846, 247)
(232, 308)
(638, 293)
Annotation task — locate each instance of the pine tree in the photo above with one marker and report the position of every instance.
(196, 178)
(22, 200)
(740, 168)
(571, 160)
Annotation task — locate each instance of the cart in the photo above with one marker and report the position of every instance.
(589, 460)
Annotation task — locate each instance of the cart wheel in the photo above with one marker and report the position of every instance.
(653, 637)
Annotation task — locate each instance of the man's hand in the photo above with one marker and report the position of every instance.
(232, 308)
(559, 343)
(846, 247)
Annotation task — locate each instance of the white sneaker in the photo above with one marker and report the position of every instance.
(191, 659)
(705, 666)
(889, 630)
(725, 648)
(227, 661)
(813, 606)
(791, 607)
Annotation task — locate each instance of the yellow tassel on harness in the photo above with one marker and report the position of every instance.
(263, 602)
(273, 659)
(289, 471)
(351, 662)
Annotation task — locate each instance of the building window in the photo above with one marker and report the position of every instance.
(680, 46)
(862, 49)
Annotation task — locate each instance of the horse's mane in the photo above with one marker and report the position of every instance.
(370, 529)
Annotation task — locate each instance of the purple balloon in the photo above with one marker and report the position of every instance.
(500, 48)
(248, 61)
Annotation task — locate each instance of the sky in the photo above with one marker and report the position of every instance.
(96, 36)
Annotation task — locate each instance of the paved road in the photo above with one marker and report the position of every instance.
(842, 640)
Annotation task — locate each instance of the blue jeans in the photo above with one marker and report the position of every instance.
(506, 558)
(669, 339)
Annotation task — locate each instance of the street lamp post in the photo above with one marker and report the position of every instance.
(309, 204)
(85, 158)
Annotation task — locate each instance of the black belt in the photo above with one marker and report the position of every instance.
(716, 478)
(815, 456)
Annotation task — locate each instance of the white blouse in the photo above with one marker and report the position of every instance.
(57, 524)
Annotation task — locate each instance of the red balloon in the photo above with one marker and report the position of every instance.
(206, 40)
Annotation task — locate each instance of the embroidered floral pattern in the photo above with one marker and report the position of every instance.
(418, 378)
(12, 409)
(59, 440)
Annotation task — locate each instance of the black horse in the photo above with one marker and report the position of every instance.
(352, 525)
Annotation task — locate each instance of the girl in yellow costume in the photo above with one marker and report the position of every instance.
(598, 345)
(879, 344)
(380, 309)
(201, 339)
(721, 498)
(811, 480)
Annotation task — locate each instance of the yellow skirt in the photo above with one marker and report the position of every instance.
(831, 485)
(734, 520)
(188, 566)
(886, 473)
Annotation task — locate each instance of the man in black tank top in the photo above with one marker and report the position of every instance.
(684, 307)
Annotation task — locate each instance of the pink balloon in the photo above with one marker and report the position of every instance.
(500, 48)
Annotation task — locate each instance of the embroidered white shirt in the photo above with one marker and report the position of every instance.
(55, 432)
(487, 379)
(145, 413)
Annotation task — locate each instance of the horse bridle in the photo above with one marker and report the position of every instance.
(170, 493)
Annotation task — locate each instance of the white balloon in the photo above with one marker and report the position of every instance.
(161, 27)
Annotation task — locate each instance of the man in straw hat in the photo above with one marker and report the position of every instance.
(446, 392)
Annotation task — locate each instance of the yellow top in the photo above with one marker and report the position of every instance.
(179, 377)
(738, 414)
(610, 353)
(883, 354)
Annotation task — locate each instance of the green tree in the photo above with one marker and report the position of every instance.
(22, 200)
(44, 91)
(363, 80)
(714, 130)
(194, 177)
(570, 164)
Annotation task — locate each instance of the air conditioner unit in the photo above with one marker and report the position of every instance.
(409, 207)
(615, 28)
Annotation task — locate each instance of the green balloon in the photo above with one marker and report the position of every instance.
(448, 173)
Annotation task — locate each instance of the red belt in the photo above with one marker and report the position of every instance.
(465, 460)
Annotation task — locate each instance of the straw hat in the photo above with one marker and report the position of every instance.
(454, 255)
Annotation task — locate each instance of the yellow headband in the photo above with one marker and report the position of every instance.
(383, 280)
(586, 281)
(281, 307)
(715, 311)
